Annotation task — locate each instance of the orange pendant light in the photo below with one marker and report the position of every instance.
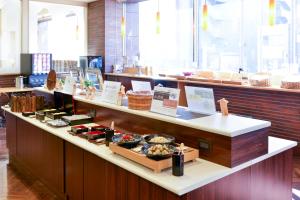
(158, 19)
(272, 5)
(204, 17)
(123, 27)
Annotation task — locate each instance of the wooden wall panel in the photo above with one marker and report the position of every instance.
(269, 179)
(104, 31)
(96, 28)
(73, 172)
(11, 134)
(42, 154)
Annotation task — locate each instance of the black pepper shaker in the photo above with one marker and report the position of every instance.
(108, 136)
(178, 163)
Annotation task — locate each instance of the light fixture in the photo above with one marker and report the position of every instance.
(123, 23)
(272, 12)
(204, 16)
(158, 19)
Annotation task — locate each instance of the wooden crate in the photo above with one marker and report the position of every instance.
(156, 166)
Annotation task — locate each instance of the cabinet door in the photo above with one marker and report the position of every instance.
(11, 134)
(73, 171)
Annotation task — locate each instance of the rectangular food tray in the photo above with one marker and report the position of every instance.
(156, 166)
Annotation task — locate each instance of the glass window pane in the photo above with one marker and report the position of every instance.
(10, 36)
(276, 41)
(172, 48)
(57, 29)
(220, 43)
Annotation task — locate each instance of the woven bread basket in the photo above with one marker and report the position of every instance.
(139, 100)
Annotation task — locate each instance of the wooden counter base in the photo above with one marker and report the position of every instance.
(74, 173)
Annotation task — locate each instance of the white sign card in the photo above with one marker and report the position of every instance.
(138, 86)
(165, 101)
(200, 100)
(110, 93)
(69, 85)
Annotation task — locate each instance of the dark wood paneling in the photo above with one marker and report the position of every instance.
(225, 151)
(269, 179)
(7, 80)
(73, 171)
(104, 31)
(95, 177)
(42, 153)
(11, 134)
(96, 28)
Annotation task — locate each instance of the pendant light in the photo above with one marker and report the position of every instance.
(123, 23)
(158, 19)
(204, 16)
(272, 12)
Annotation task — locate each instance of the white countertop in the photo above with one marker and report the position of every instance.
(14, 89)
(230, 126)
(196, 174)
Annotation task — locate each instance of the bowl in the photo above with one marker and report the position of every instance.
(170, 139)
(121, 140)
(146, 147)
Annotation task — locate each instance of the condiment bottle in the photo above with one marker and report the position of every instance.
(109, 133)
(178, 162)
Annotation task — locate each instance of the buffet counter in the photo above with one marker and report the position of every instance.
(196, 174)
(230, 126)
(14, 89)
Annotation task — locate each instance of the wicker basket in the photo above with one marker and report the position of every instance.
(290, 84)
(260, 81)
(139, 100)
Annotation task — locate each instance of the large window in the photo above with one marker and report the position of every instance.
(249, 34)
(10, 36)
(57, 29)
(166, 43)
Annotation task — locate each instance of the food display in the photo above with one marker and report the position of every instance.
(94, 135)
(99, 128)
(159, 139)
(127, 140)
(260, 80)
(57, 123)
(139, 100)
(159, 151)
(291, 83)
(79, 129)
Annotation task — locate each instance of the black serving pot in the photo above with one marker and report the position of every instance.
(129, 145)
(146, 147)
(170, 139)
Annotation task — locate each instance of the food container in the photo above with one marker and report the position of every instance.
(177, 163)
(40, 115)
(94, 135)
(260, 80)
(99, 128)
(79, 129)
(159, 139)
(127, 140)
(108, 136)
(139, 100)
(291, 83)
(158, 151)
